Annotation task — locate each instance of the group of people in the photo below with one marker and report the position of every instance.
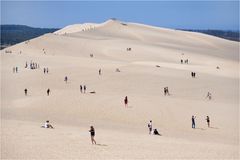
(151, 130)
(193, 74)
(32, 65)
(83, 88)
(92, 130)
(15, 69)
(129, 49)
(26, 92)
(45, 70)
(194, 120)
(185, 61)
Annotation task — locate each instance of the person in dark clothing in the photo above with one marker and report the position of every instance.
(99, 71)
(66, 79)
(84, 88)
(165, 91)
(193, 121)
(81, 88)
(25, 91)
(181, 61)
(126, 101)
(48, 91)
(92, 133)
(155, 132)
(208, 121)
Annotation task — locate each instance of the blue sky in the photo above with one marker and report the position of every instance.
(171, 14)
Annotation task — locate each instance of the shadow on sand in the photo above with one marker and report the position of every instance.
(104, 145)
(214, 127)
(201, 129)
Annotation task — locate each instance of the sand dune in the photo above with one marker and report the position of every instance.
(152, 64)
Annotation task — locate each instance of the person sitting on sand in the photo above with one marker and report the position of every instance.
(47, 125)
(155, 132)
(92, 133)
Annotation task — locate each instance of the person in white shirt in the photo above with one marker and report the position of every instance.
(150, 127)
(47, 125)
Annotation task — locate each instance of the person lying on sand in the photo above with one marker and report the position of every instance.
(47, 125)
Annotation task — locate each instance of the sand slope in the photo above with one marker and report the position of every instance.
(121, 132)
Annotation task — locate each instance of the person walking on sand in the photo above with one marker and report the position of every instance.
(150, 127)
(92, 133)
(47, 70)
(208, 121)
(126, 101)
(81, 88)
(193, 121)
(25, 91)
(66, 79)
(209, 96)
(84, 88)
(165, 91)
(99, 71)
(14, 69)
(48, 91)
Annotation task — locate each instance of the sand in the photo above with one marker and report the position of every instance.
(121, 133)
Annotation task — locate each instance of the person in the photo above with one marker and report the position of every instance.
(65, 79)
(81, 88)
(47, 70)
(193, 121)
(155, 132)
(26, 65)
(44, 70)
(208, 121)
(92, 133)
(99, 71)
(209, 96)
(47, 125)
(117, 70)
(25, 91)
(192, 74)
(181, 61)
(126, 101)
(165, 91)
(150, 127)
(48, 91)
(14, 69)
(84, 88)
